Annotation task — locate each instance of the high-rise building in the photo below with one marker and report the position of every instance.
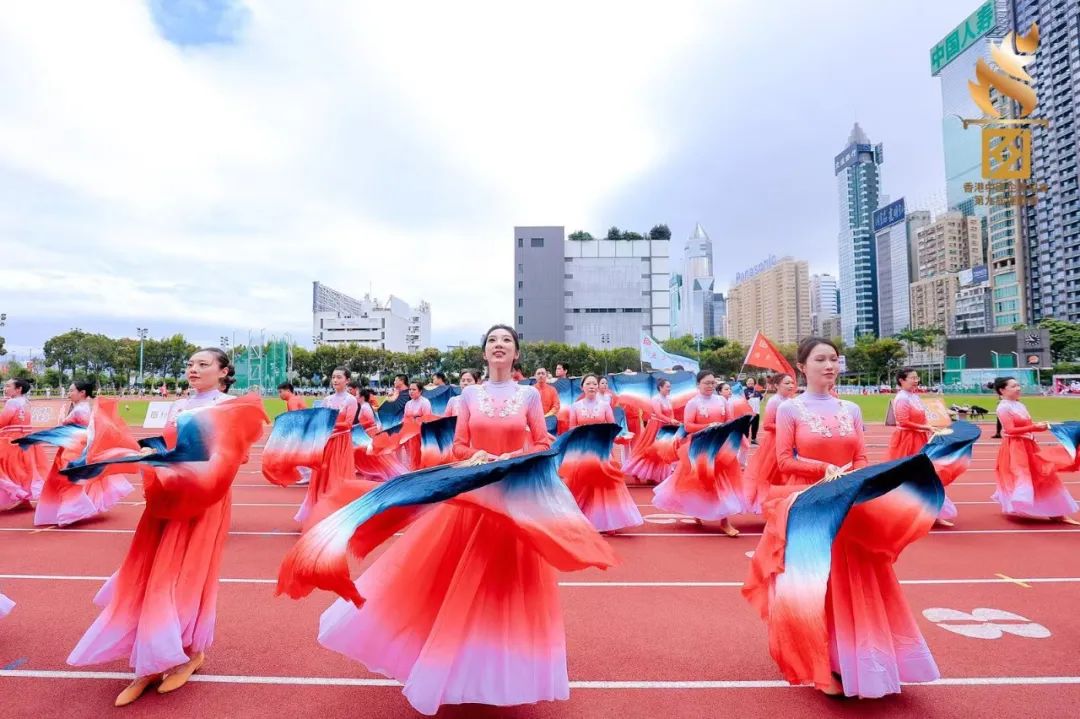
(830, 327)
(895, 244)
(1053, 223)
(933, 301)
(603, 292)
(675, 298)
(974, 311)
(824, 303)
(393, 325)
(539, 283)
(953, 61)
(697, 310)
(719, 328)
(952, 242)
(773, 297)
(858, 184)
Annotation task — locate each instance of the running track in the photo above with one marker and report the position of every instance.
(665, 634)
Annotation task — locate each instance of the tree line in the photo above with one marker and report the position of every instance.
(114, 361)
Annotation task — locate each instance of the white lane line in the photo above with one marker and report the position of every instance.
(69, 530)
(598, 585)
(578, 684)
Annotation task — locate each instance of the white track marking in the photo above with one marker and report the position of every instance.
(985, 623)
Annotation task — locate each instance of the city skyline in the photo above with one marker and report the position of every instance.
(111, 199)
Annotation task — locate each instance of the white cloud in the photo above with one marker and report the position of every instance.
(372, 144)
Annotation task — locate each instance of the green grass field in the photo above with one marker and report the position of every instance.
(874, 406)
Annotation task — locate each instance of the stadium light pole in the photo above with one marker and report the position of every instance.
(605, 340)
(142, 337)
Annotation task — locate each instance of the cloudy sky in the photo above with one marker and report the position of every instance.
(193, 165)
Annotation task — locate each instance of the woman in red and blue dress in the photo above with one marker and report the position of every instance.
(762, 472)
(468, 377)
(461, 609)
(159, 610)
(63, 502)
(598, 485)
(706, 493)
(874, 642)
(339, 461)
(1028, 483)
(650, 461)
(21, 476)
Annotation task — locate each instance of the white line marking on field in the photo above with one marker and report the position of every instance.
(596, 585)
(579, 684)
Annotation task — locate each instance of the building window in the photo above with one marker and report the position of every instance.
(520, 284)
(568, 277)
(537, 241)
(521, 302)
(521, 269)
(568, 293)
(521, 242)
(568, 327)
(521, 320)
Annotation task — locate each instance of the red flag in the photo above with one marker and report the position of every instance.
(763, 353)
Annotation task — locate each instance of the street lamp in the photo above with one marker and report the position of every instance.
(697, 338)
(225, 345)
(142, 331)
(3, 318)
(605, 340)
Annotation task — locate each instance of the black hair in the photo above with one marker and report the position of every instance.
(661, 382)
(22, 384)
(508, 328)
(517, 366)
(223, 362)
(703, 374)
(367, 394)
(903, 374)
(474, 372)
(354, 383)
(440, 375)
(343, 370)
(564, 365)
(1001, 383)
(403, 377)
(720, 387)
(777, 378)
(287, 386)
(419, 385)
(802, 354)
(87, 387)
(587, 376)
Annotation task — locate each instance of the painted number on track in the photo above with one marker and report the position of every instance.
(667, 519)
(983, 623)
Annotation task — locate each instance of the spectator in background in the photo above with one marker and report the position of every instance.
(752, 394)
(516, 374)
(401, 384)
(562, 371)
(439, 379)
(288, 395)
(549, 397)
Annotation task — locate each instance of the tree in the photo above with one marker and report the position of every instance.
(580, 236)
(660, 232)
(632, 236)
(614, 233)
(2, 350)
(1064, 339)
(877, 358)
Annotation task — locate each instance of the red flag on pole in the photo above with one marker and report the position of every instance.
(763, 353)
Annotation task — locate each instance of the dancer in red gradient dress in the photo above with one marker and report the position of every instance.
(597, 485)
(159, 610)
(371, 465)
(717, 494)
(21, 472)
(874, 642)
(468, 377)
(63, 502)
(762, 472)
(460, 609)
(339, 462)
(913, 431)
(651, 460)
(738, 406)
(1027, 478)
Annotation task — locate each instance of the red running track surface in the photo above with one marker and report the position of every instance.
(665, 634)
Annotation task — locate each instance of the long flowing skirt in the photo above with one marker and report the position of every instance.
(905, 443)
(6, 605)
(63, 502)
(1027, 481)
(459, 610)
(703, 489)
(338, 465)
(600, 492)
(651, 460)
(21, 472)
(864, 630)
(160, 607)
(762, 472)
